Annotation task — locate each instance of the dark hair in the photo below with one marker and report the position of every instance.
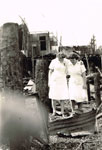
(74, 56)
(61, 54)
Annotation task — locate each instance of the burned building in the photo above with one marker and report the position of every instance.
(42, 43)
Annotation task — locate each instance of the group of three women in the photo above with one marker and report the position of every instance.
(67, 81)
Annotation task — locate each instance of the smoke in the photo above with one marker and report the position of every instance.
(22, 117)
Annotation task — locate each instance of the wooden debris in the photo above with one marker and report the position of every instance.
(97, 89)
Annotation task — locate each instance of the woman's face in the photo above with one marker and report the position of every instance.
(60, 57)
(73, 60)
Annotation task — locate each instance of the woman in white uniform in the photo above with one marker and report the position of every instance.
(77, 82)
(58, 88)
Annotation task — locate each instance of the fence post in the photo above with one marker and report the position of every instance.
(97, 89)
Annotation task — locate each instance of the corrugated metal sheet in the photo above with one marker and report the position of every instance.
(82, 122)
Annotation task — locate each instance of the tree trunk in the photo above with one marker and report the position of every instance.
(41, 80)
(10, 57)
(11, 71)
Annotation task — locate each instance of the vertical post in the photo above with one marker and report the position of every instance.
(97, 96)
(88, 90)
(33, 65)
(101, 62)
(88, 84)
(97, 89)
(32, 62)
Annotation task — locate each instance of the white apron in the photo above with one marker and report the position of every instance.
(76, 91)
(58, 89)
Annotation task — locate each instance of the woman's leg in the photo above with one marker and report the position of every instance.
(54, 106)
(80, 106)
(73, 105)
(62, 107)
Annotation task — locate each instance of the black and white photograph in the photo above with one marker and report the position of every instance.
(50, 74)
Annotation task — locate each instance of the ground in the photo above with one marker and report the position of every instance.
(60, 142)
(90, 142)
(87, 142)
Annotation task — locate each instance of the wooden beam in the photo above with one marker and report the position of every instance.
(97, 89)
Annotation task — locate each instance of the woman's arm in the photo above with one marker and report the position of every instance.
(84, 80)
(49, 76)
(67, 63)
(83, 73)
